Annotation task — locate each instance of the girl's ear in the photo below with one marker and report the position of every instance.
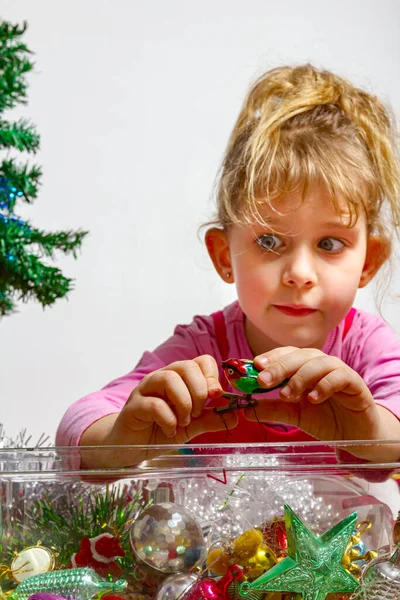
(218, 248)
(378, 251)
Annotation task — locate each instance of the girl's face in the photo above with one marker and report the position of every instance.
(297, 278)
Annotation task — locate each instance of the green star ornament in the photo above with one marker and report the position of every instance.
(313, 565)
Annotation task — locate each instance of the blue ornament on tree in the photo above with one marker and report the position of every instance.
(8, 194)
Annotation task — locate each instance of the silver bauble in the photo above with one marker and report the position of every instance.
(380, 579)
(168, 538)
(174, 586)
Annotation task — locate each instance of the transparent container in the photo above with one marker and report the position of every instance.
(216, 522)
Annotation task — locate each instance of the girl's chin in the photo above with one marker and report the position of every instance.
(304, 339)
(270, 337)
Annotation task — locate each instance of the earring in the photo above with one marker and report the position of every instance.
(227, 275)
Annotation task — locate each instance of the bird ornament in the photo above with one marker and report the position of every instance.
(242, 375)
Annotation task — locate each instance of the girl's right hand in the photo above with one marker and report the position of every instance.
(167, 406)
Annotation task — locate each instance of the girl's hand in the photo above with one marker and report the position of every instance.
(324, 397)
(167, 406)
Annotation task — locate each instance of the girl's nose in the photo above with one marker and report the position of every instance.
(300, 270)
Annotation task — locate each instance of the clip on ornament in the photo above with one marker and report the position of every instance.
(242, 375)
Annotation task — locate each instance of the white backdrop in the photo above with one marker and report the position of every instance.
(134, 102)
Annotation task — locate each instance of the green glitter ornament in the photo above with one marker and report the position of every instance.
(72, 584)
(313, 565)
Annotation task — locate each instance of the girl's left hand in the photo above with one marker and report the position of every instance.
(324, 397)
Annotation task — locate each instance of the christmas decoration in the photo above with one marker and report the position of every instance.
(274, 532)
(69, 583)
(380, 580)
(252, 553)
(174, 586)
(313, 565)
(234, 594)
(99, 553)
(72, 523)
(396, 530)
(45, 596)
(23, 274)
(61, 514)
(214, 589)
(22, 440)
(242, 375)
(253, 499)
(93, 518)
(356, 553)
(32, 561)
(167, 537)
(218, 561)
(249, 550)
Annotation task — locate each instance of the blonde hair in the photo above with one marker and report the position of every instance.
(300, 126)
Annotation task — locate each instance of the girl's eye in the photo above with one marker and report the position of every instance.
(269, 242)
(331, 244)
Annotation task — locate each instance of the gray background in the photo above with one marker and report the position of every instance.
(134, 102)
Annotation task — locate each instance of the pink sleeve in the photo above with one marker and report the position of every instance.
(374, 353)
(188, 342)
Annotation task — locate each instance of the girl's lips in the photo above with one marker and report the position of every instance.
(295, 312)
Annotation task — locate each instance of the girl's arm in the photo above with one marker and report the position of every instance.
(93, 420)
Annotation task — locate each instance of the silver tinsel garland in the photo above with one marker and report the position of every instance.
(22, 440)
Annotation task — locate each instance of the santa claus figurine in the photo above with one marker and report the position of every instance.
(99, 553)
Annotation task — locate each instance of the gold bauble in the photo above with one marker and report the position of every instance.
(247, 544)
(217, 561)
(252, 553)
(259, 563)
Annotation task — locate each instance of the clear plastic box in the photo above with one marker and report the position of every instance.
(198, 522)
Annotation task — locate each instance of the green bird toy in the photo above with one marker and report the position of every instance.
(242, 375)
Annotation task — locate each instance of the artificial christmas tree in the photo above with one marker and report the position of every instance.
(23, 274)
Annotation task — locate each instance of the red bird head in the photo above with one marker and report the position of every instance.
(235, 368)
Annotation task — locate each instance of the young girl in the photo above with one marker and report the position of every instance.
(309, 195)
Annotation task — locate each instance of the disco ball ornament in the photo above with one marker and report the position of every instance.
(168, 538)
(175, 586)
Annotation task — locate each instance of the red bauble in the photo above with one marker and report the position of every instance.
(275, 536)
(214, 589)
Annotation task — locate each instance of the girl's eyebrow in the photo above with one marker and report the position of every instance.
(272, 226)
(341, 224)
(275, 221)
(335, 224)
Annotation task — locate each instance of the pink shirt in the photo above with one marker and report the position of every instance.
(370, 348)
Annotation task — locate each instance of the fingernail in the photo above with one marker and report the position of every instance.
(286, 391)
(266, 377)
(185, 422)
(263, 361)
(314, 395)
(216, 391)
